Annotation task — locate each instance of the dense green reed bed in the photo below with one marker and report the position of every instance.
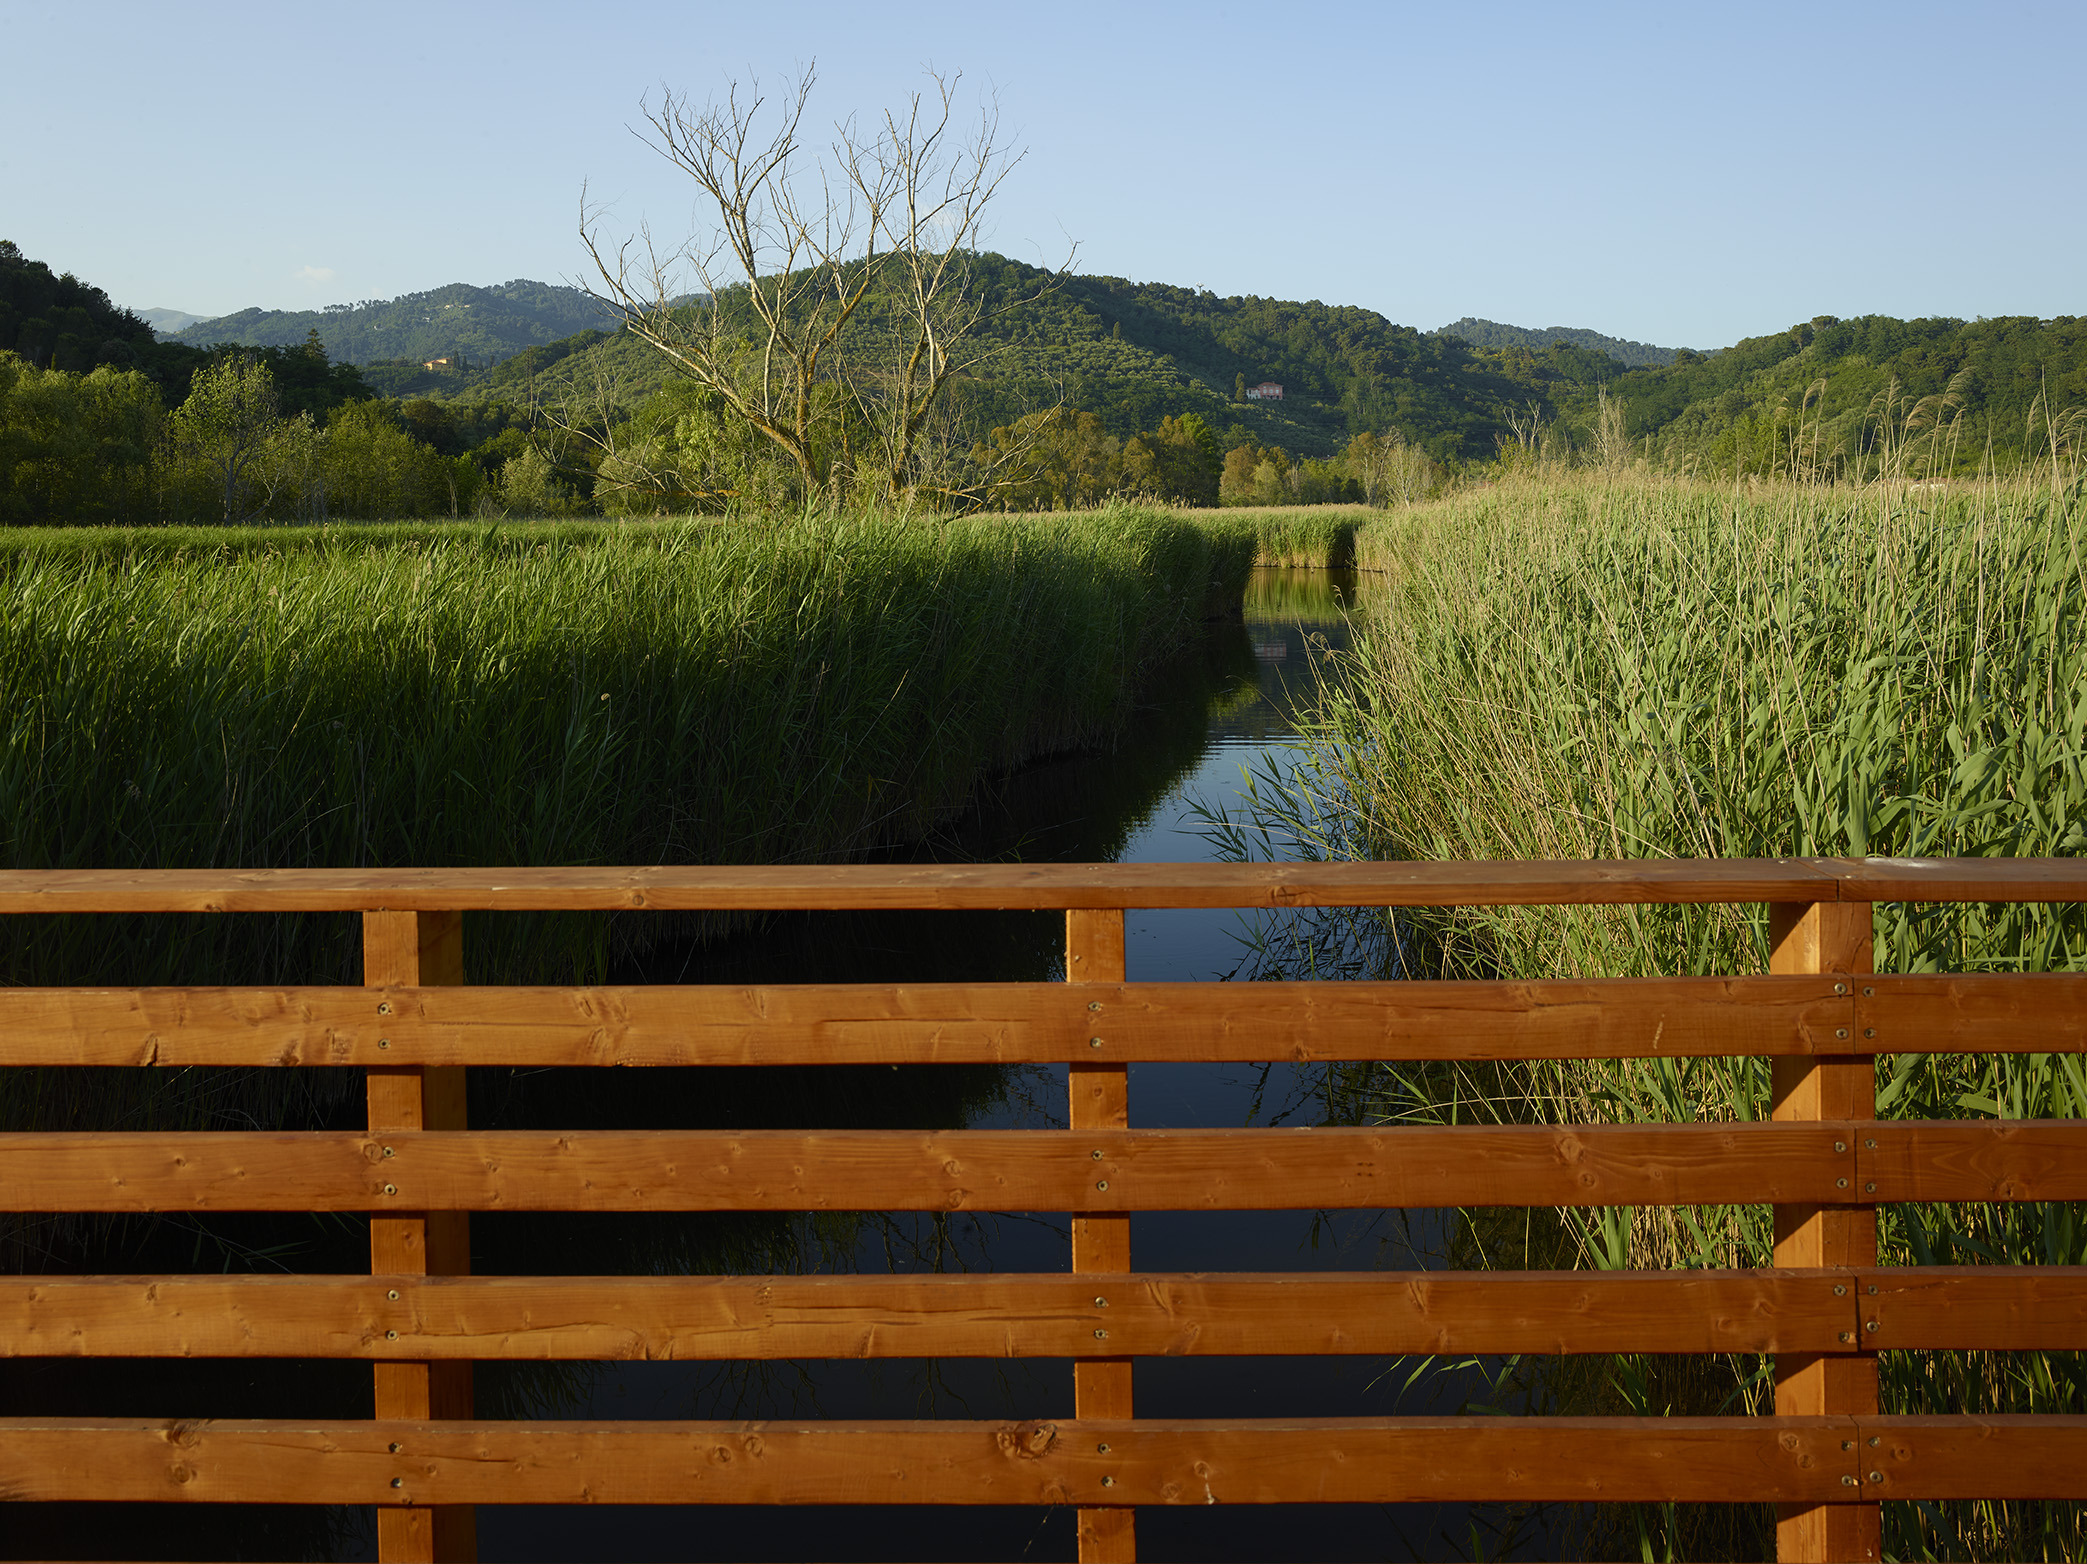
(809, 689)
(1596, 669)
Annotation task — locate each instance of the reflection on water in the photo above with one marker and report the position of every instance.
(1218, 714)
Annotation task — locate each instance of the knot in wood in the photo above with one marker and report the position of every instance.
(1026, 1441)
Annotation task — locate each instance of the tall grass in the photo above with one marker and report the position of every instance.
(1598, 668)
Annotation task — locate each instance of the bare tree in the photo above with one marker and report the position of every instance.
(836, 293)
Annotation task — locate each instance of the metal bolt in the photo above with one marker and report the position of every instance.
(1870, 1325)
(1847, 1444)
(391, 1335)
(1839, 1290)
(1869, 1031)
(1101, 1449)
(1094, 1042)
(1101, 1303)
(1108, 1482)
(1847, 1482)
(1840, 988)
(1873, 1289)
(395, 1449)
(1840, 1145)
(389, 1152)
(383, 1007)
(1101, 1335)
(391, 1189)
(1870, 1145)
(1095, 1155)
(1875, 1441)
(1840, 1183)
(1869, 993)
(1847, 1335)
(383, 1042)
(1870, 1189)
(392, 1293)
(1094, 1004)
(1101, 1183)
(398, 1482)
(1840, 1031)
(1876, 1477)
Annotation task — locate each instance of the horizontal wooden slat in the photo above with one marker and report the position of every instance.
(1042, 886)
(903, 1170)
(2003, 1308)
(1973, 1457)
(1955, 1159)
(2013, 1013)
(1090, 1315)
(924, 1024)
(1328, 1460)
(1960, 879)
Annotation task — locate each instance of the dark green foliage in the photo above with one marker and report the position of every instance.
(59, 322)
(1491, 334)
(478, 323)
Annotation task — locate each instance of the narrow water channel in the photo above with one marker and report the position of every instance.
(1227, 709)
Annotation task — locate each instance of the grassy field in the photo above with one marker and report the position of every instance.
(810, 689)
(1592, 669)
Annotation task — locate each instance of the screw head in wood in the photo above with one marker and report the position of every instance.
(1869, 1145)
(398, 1482)
(1875, 1441)
(1869, 1031)
(1101, 1449)
(1101, 1335)
(1840, 1145)
(1869, 993)
(1101, 1183)
(392, 1293)
(1839, 1291)
(1847, 1444)
(383, 1042)
(389, 1152)
(1094, 1042)
(1840, 1031)
(383, 1007)
(396, 1448)
(1094, 1004)
(1876, 1477)
(1847, 1335)
(1869, 1325)
(1096, 1155)
(1873, 1289)
(391, 1189)
(1840, 1183)
(1869, 1189)
(1101, 1303)
(1840, 988)
(1108, 1482)
(391, 1335)
(1847, 1482)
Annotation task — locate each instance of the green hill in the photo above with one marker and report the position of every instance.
(459, 321)
(1838, 389)
(1491, 334)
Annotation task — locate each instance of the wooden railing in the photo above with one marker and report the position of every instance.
(1823, 1162)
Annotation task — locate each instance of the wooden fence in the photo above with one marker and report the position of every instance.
(1824, 1162)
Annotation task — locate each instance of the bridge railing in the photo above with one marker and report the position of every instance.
(1823, 1161)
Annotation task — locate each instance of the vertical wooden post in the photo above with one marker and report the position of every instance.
(1825, 937)
(1100, 1100)
(419, 949)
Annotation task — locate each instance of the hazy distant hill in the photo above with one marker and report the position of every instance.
(167, 322)
(482, 324)
(1491, 334)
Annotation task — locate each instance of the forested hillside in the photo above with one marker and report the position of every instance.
(1831, 393)
(1492, 334)
(477, 324)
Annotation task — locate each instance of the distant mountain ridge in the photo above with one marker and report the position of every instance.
(484, 325)
(1493, 335)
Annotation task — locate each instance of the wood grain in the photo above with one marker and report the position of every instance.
(1959, 1159)
(1150, 1315)
(924, 1024)
(959, 1170)
(2001, 1308)
(2012, 1013)
(1328, 1460)
(1033, 886)
(1974, 1457)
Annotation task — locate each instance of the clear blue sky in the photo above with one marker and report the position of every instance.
(1680, 174)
